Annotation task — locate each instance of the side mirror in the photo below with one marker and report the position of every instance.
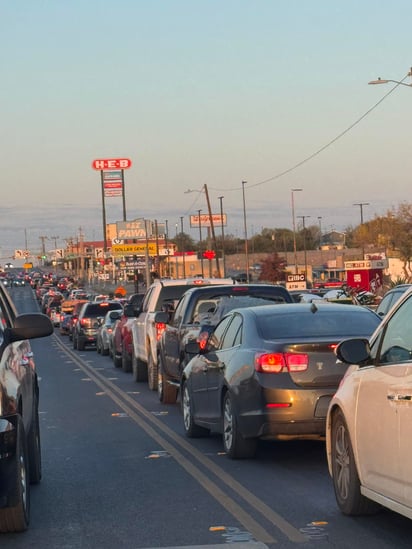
(162, 317)
(115, 315)
(29, 326)
(353, 351)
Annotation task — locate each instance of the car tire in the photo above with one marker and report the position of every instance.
(126, 361)
(235, 444)
(104, 350)
(75, 342)
(191, 429)
(139, 369)
(34, 446)
(98, 347)
(167, 393)
(117, 360)
(81, 344)
(152, 373)
(345, 476)
(16, 517)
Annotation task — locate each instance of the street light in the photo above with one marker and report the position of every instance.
(387, 80)
(200, 243)
(223, 235)
(294, 228)
(303, 217)
(245, 231)
(182, 245)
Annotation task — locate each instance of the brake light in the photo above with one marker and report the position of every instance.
(202, 340)
(276, 363)
(160, 328)
(86, 322)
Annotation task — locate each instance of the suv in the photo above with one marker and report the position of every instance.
(20, 458)
(197, 313)
(89, 321)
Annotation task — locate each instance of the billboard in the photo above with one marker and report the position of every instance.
(218, 220)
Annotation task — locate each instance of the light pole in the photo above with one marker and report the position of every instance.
(55, 251)
(303, 217)
(294, 228)
(182, 245)
(200, 243)
(245, 231)
(223, 235)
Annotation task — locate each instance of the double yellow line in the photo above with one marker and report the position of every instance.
(154, 427)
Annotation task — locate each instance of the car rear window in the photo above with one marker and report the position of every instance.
(100, 309)
(170, 295)
(212, 310)
(323, 323)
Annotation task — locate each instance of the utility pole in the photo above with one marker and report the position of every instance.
(43, 248)
(212, 227)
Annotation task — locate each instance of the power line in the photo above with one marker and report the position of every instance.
(316, 153)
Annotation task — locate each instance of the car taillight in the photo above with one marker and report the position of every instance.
(86, 322)
(275, 363)
(202, 340)
(160, 328)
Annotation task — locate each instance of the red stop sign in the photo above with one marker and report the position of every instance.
(111, 164)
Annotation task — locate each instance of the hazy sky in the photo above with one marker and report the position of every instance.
(201, 92)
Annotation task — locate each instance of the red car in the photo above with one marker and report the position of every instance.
(122, 343)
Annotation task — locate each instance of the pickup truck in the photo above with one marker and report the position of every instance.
(20, 457)
(197, 313)
(162, 295)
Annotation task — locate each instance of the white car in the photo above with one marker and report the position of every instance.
(369, 421)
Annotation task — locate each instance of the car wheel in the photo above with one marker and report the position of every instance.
(16, 517)
(344, 473)
(33, 445)
(104, 350)
(126, 362)
(235, 445)
(167, 393)
(191, 429)
(98, 347)
(81, 345)
(151, 373)
(117, 360)
(139, 369)
(75, 342)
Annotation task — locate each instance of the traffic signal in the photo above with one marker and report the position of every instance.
(209, 254)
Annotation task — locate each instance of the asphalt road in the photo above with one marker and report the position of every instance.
(118, 471)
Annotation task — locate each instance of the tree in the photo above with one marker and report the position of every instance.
(273, 268)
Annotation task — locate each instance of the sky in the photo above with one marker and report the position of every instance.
(194, 93)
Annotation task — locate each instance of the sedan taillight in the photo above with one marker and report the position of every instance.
(275, 363)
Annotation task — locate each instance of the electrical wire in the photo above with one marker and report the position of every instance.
(316, 153)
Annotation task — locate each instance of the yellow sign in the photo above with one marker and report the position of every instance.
(133, 249)
(27, 265)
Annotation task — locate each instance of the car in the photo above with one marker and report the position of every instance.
(269, 372)
(390, 298)
(90, 318)
(104, 333)
(20, 455)
(196, 314)
(78, 304)
(369, 421)
(122, 341)
(64, 326)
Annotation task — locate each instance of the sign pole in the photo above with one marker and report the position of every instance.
(103, 215)
(124, 198)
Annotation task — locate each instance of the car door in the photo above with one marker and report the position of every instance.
(384, 411)
(203, 366)
(216, 370)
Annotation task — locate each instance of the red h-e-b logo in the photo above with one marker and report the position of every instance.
(112, 164)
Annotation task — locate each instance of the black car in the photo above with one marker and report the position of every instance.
(90, 319)
(20, 457)
(269, 372)
(196, 314)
